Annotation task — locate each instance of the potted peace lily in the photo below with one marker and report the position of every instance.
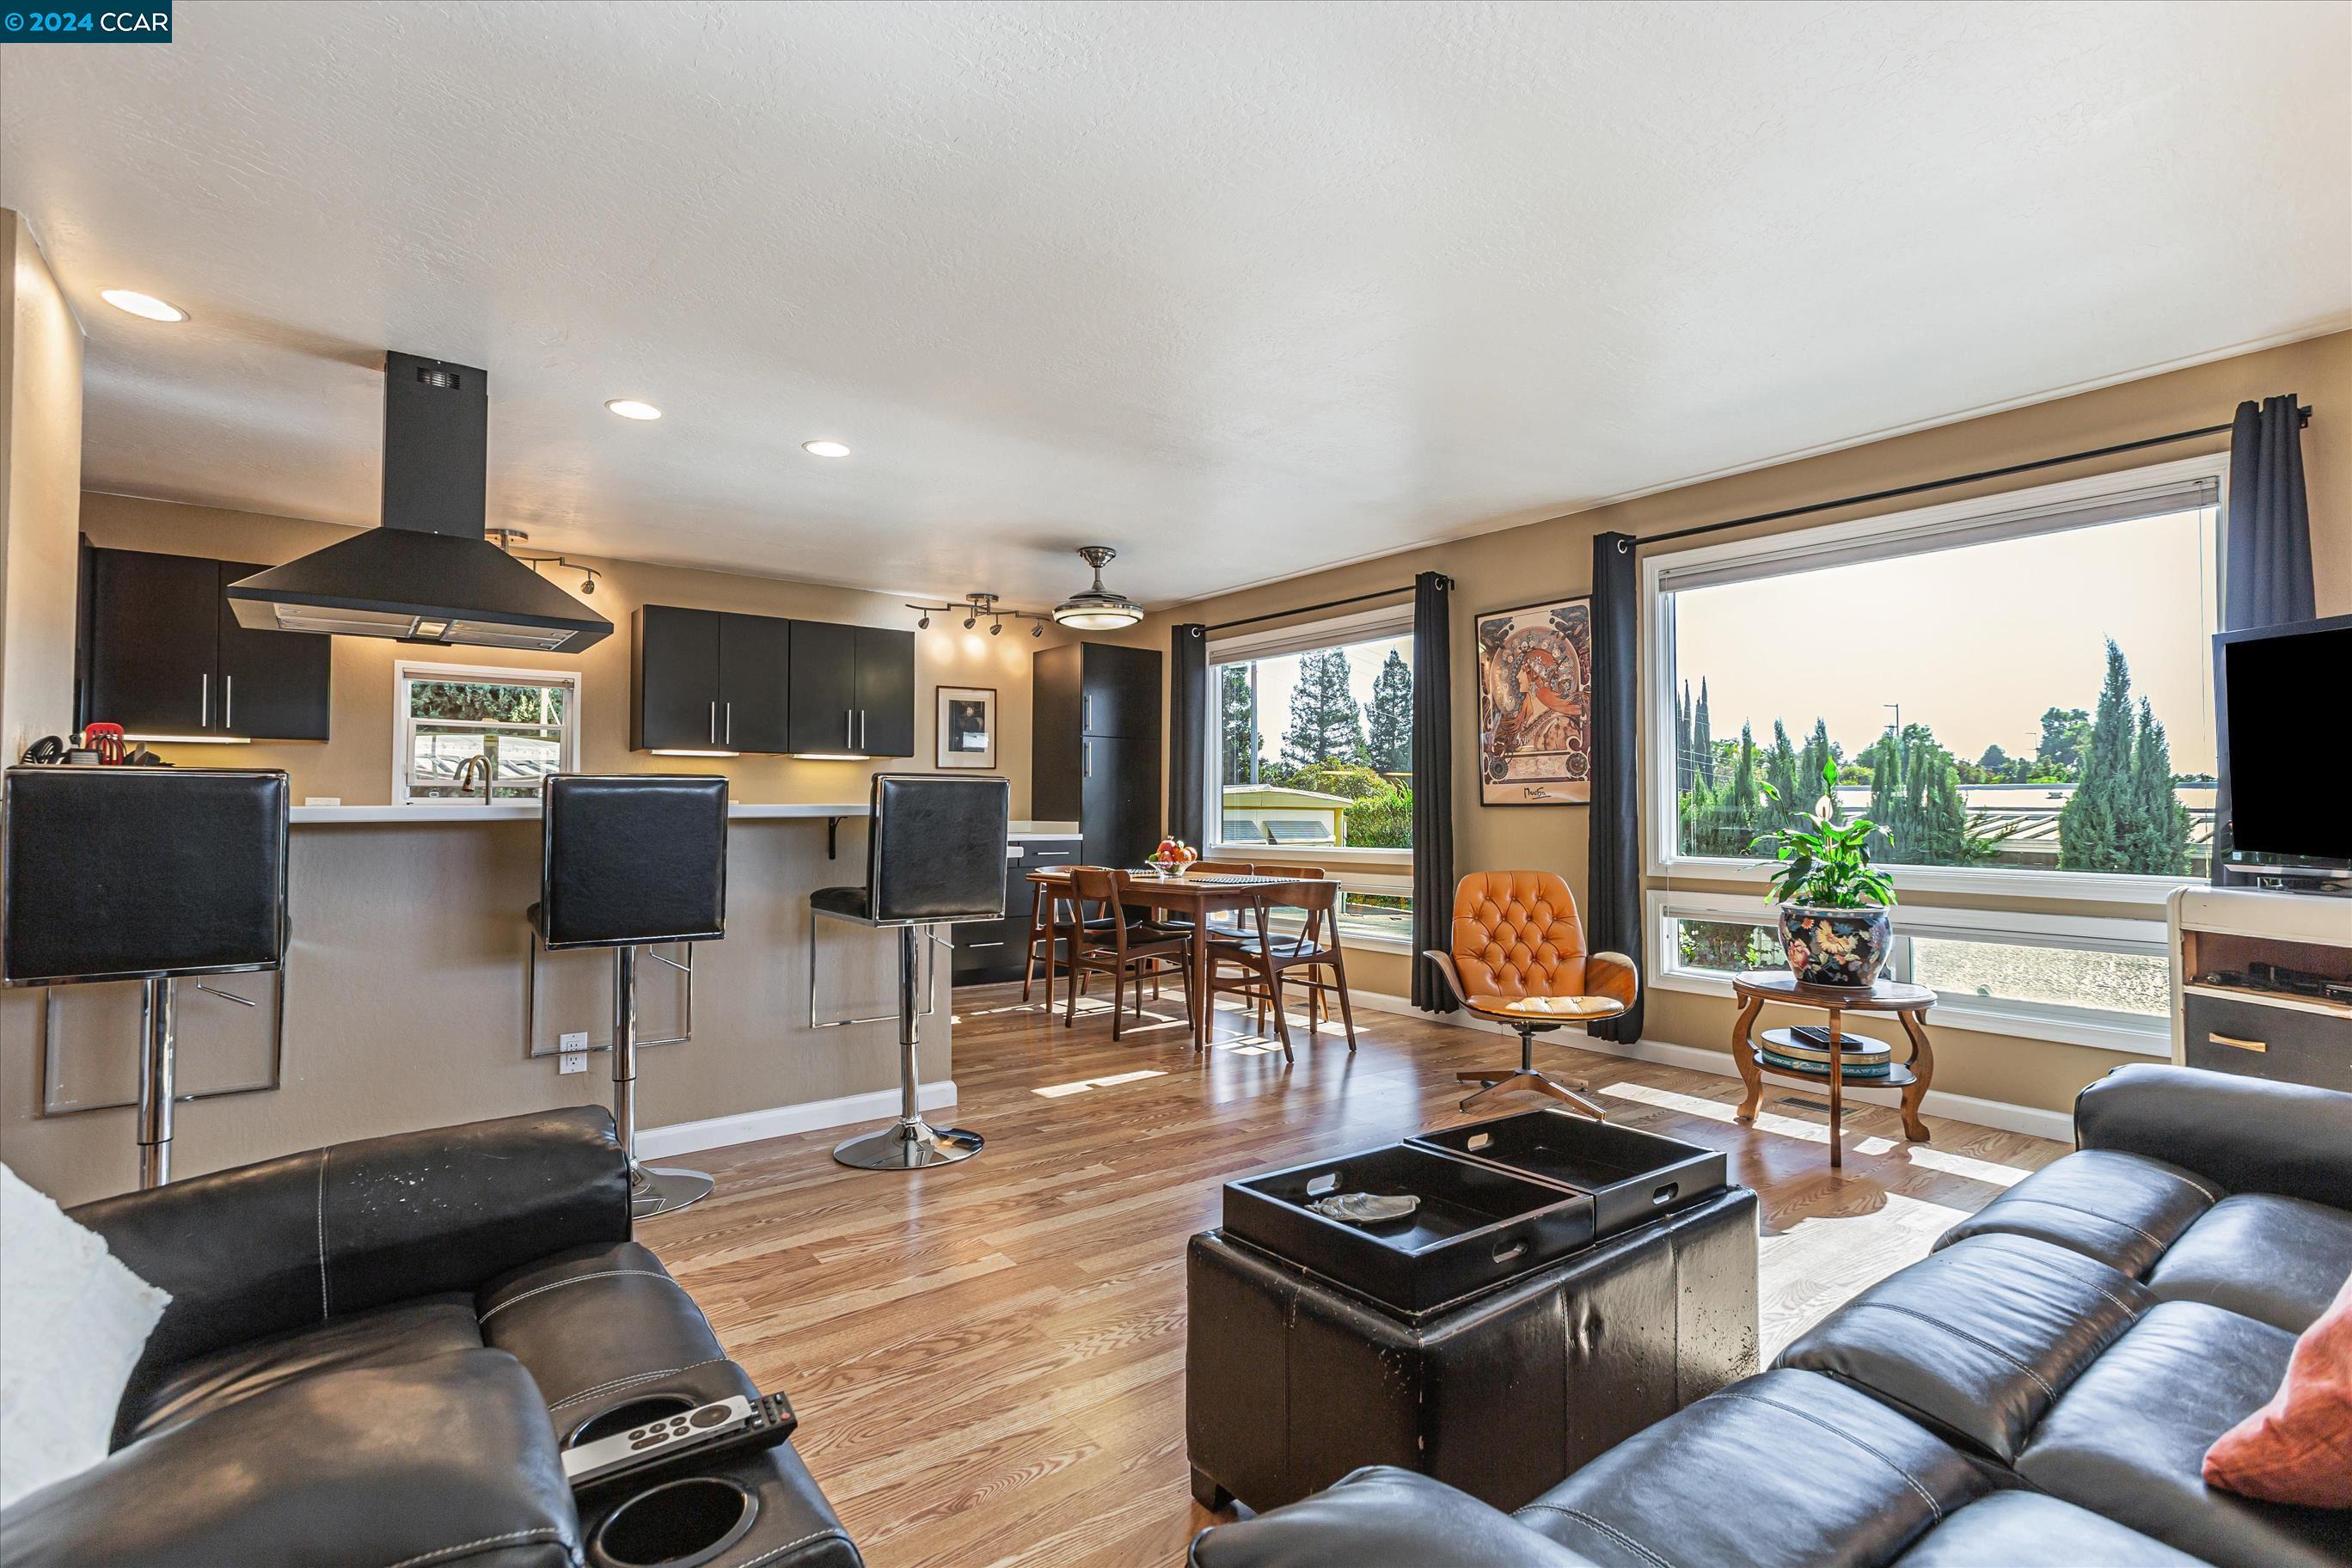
(1834, 923)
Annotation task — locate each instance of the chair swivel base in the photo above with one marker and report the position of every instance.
(653, 1191)
(908, 1145)
(1530, 1081)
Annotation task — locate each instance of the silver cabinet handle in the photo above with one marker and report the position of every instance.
(1086, 711)
(228, 702)
(1089, 746)
(849, 728)
(731, 723)
(714, 722)
(861, 729)
(204, 701)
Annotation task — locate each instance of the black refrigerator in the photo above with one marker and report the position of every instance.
(1095, 748)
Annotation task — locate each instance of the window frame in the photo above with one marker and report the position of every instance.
(1300, 636)
(404, 722)
(1666, 863)
(2101, 1029)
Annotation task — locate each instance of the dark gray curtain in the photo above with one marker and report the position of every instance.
(1188, 733)
(1612, 914)
(2269, 544)
(1433, 785)
(2267, 548)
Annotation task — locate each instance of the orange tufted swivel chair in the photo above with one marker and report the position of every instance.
(1519, 958)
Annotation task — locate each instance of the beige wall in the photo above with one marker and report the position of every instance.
(355, 765)
(1553, 559)
(40, 487)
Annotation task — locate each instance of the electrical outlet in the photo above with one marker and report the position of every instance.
(574, 1048)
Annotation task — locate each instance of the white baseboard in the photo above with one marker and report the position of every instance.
(751, 1126)
(2002, 1114)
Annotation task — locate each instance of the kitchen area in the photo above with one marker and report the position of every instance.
(455, 671)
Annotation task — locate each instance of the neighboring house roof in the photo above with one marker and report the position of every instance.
(1279, 794)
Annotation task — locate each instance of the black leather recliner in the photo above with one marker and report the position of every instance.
(375, 1351)
(2039, 1392)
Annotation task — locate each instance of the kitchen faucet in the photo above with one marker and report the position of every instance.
(474, 767)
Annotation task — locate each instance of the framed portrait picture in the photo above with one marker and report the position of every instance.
(966, 726)
(1535, 704)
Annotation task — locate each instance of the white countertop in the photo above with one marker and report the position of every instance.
(519, 811)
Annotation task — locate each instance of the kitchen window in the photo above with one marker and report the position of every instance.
(2017, 688)
(1310, 746)
(522, 724)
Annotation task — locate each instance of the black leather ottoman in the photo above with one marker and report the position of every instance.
(1291, 1382)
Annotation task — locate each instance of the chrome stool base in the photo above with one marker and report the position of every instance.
(909, 1145)
(656, 1191)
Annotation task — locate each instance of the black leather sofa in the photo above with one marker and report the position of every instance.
(2039, 1392)
(375, 1353)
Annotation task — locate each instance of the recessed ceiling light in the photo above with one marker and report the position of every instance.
(630, 408)
(825, 448)
(145, 305)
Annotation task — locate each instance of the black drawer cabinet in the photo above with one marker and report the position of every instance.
(161, 653)
(2286, 1045)
(987, 951)
(714, 680)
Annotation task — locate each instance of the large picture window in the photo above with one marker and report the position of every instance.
(2014, 691)
(523, 724)
(1313, 741)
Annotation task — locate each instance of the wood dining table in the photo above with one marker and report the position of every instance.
(1198, 896)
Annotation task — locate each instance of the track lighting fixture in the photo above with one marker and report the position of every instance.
(979, 607)
(506, 539)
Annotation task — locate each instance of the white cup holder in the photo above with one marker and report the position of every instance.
(625, 1417)
(675, 1525)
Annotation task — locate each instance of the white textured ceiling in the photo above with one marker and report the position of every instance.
(1242, 291)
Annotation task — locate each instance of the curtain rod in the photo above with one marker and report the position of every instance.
(1311, 609)
(2303, 414)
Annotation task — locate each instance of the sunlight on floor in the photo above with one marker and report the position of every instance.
(1717, 1111)
(1808, 1271)
(1058, 1091)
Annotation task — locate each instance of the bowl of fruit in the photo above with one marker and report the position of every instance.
(1172, 856)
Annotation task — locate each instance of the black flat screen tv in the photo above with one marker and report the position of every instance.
(2283, 707)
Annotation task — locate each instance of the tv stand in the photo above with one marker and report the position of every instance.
(2259, 983)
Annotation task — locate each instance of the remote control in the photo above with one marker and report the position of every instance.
(721, 1427)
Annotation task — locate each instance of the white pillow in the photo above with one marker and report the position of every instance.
(73, 1320)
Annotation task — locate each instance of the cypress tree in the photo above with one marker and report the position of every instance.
(1701, 737)
(1391, 741)
(2157, 838)
(1682, 769)
(1887, 794)
(2096, 819)
(1780, 773)
(1817, 755)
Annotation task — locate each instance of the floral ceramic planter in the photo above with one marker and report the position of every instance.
(1836, 949)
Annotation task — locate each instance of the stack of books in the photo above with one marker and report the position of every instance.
(1806, 1050)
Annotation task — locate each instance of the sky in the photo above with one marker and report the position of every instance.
(1976, 642)
(1276, 677)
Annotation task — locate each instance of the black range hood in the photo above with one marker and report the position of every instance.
(426, 575)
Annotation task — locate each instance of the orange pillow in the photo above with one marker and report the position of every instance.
(2298, 1447)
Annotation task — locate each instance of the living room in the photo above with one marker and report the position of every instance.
(1137, 784)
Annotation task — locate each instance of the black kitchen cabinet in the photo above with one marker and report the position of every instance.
(853, 691)
(162, 654)
(708, 680)
(755, 661)
(886, 692)
(1095, 747)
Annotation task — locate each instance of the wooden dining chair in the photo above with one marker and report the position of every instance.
(1110, 943)
(1265, 956)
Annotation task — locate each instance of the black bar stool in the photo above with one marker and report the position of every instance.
(626, 859)
(934, 856)
(146, 874)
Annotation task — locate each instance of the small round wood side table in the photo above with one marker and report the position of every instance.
(1907, 1003)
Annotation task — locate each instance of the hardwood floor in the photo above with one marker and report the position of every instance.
(988, 1358)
